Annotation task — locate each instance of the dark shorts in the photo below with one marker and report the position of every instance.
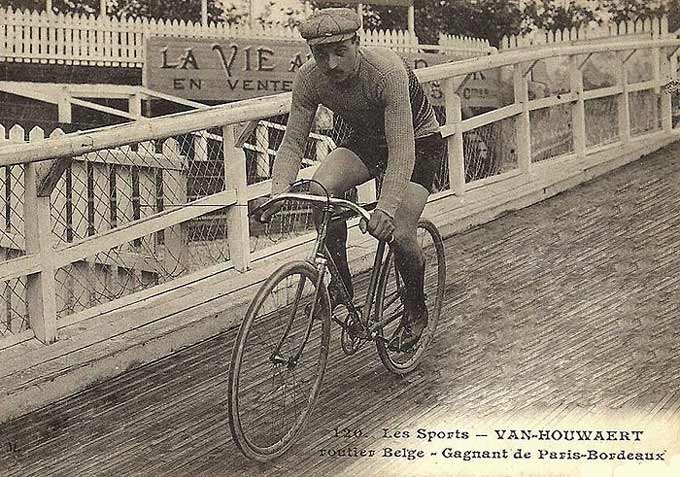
(429, 155)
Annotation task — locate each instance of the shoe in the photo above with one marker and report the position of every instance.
(336, 296)
(414, 322)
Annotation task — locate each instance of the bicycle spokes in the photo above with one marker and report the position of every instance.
(391, 302)
(273, 384)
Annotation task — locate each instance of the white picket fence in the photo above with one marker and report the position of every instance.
(45, 37)
(632, 30)
(469, 46)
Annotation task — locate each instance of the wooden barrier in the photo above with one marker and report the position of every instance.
(105, 143)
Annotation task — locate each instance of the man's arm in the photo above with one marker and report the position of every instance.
(289, 155)
(400, 140)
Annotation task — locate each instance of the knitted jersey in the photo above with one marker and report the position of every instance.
(383, 101)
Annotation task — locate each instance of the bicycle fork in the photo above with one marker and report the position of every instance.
(276, 357)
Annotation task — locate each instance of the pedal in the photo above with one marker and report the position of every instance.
(352, 333)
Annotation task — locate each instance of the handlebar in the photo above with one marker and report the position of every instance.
(343, 204)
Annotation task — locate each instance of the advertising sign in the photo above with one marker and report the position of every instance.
(235, 69)
(224, 69)
(480, 90)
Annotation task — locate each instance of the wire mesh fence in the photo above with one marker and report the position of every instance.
(294, 219)
(267, 135)
(599, 70)
(644, 107)
(602, 124)
(12, 207)
(640, 65)
(110, 189)
(551, 132)
(490, 150)
(13, 308)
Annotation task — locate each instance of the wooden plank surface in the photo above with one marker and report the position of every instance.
(560, 310)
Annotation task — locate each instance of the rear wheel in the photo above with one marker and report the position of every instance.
(271, 393)
(390, 300)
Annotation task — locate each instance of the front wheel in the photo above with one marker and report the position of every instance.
(390, 300)
(278, 361)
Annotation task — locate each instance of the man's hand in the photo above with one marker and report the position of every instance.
(381, 225)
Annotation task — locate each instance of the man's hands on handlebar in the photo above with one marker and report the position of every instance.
(381, 225)
(266, 215)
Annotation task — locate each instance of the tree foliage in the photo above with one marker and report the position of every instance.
(189, 10)
(31, 5)
(549, 15)
(623, 10)
(275, 14)
(476, 18)
(493, 19)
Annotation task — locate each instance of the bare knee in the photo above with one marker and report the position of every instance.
(326, 182)
(318, 188)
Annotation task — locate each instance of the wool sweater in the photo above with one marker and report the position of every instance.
(382, 101)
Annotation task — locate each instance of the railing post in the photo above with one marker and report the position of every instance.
(135, 105)
(623, 101)
(454, 118)
(238, 228)
(578, 111)
(523, 125)
(322, 149)
(64, 108)
(668, 72)
(40, 287)
(665, 75)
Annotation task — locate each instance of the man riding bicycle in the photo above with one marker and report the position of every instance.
(395, 137)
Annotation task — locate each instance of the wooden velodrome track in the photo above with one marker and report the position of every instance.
(559, 311)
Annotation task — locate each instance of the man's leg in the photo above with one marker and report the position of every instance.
(338, 173)
(411, 262)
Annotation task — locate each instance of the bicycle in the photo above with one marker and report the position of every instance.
(271, 389)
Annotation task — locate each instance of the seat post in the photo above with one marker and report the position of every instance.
(322, 231)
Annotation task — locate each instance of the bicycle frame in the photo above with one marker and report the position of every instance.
(321, 260)
(324, 262)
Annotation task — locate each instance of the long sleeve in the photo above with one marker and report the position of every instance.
(400, 141)
(289, 154)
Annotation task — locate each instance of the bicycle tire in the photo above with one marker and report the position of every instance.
(255, 397)
(389, 299)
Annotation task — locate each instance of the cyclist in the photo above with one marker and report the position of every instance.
(395, 137)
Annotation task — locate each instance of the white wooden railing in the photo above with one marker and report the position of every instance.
(513, 123)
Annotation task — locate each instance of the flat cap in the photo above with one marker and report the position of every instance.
(330, 25)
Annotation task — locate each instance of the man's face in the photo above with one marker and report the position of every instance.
(336, 60)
